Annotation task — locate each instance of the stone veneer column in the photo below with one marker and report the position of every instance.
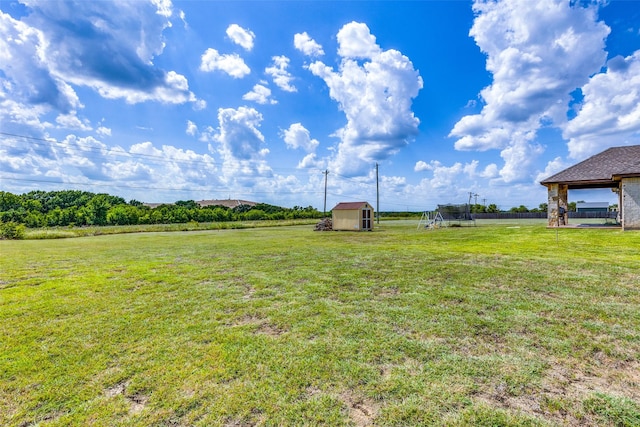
(630, 203)
(557, 198)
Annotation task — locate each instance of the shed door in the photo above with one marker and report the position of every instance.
(366, 219)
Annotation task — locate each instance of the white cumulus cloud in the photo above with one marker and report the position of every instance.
(259, 94)
(307, 45)
(278, 72)
(297, 136)
(103, 131)
(241, 36)
(356, 41)
(310, 161)
(192, 128)
(72, 121)
(239, 136)
(232, 64)
(610, 111)
(375, 96)
(421, 166)
(553, 167)
(50, 51)
(538, 53)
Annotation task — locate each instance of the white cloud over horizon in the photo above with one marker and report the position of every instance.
(209, 98)
(375, 97)
(538, 54)
(609, 114)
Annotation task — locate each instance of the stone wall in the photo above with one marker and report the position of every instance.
(557, 204)
(631, 203)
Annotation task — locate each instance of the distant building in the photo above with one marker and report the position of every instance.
(592, 207)
(227, 203)
(352, 216)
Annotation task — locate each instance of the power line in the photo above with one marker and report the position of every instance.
(139, 187)
(106, 152)
(361, 182)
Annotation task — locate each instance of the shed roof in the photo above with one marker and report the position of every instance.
(600, 170)
(349, 206)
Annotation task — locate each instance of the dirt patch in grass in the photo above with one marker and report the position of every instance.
(620, 377)
(137, 401)
(256, 419)
(362, 412)
(261, 324)
(560, 396)
(116, 390)
(270, 329)
(51, 417)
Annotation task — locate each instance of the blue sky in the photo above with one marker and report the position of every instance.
(161, 101)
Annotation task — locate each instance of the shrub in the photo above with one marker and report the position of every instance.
(11, 231)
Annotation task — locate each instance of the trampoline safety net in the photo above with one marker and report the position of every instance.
(455, 212)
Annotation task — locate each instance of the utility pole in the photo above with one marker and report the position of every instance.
(476, 198)
(377, 196)
(325, 173)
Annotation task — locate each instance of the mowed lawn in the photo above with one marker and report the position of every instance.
(490, 325)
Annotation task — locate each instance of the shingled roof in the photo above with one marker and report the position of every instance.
(601, 170)
(347, 206)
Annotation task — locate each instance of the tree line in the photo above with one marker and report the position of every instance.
(81, 208)
(493, 208)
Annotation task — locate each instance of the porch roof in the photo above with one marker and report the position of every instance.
(602, 170)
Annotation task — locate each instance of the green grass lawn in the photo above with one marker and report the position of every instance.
(492, 325)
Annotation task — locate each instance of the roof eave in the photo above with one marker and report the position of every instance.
(575, 185)
(618, 177)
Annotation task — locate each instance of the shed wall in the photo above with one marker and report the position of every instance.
(631, 203)
(346, 219)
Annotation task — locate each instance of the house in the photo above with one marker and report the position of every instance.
(592, 207)
(227, 203)
(617, 168)
(352, 216)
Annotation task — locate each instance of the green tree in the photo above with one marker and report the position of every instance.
(519, 209)
(123, 215)
(478, 208)
(254, 215)
(189, 204)
(11, 230)
(98, 207)
(35, 219)
(221, 214)
(9, 201)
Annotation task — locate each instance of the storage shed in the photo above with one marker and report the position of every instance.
(352, 216)
(617, 168)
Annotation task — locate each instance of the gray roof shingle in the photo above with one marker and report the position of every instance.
(601, 169)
